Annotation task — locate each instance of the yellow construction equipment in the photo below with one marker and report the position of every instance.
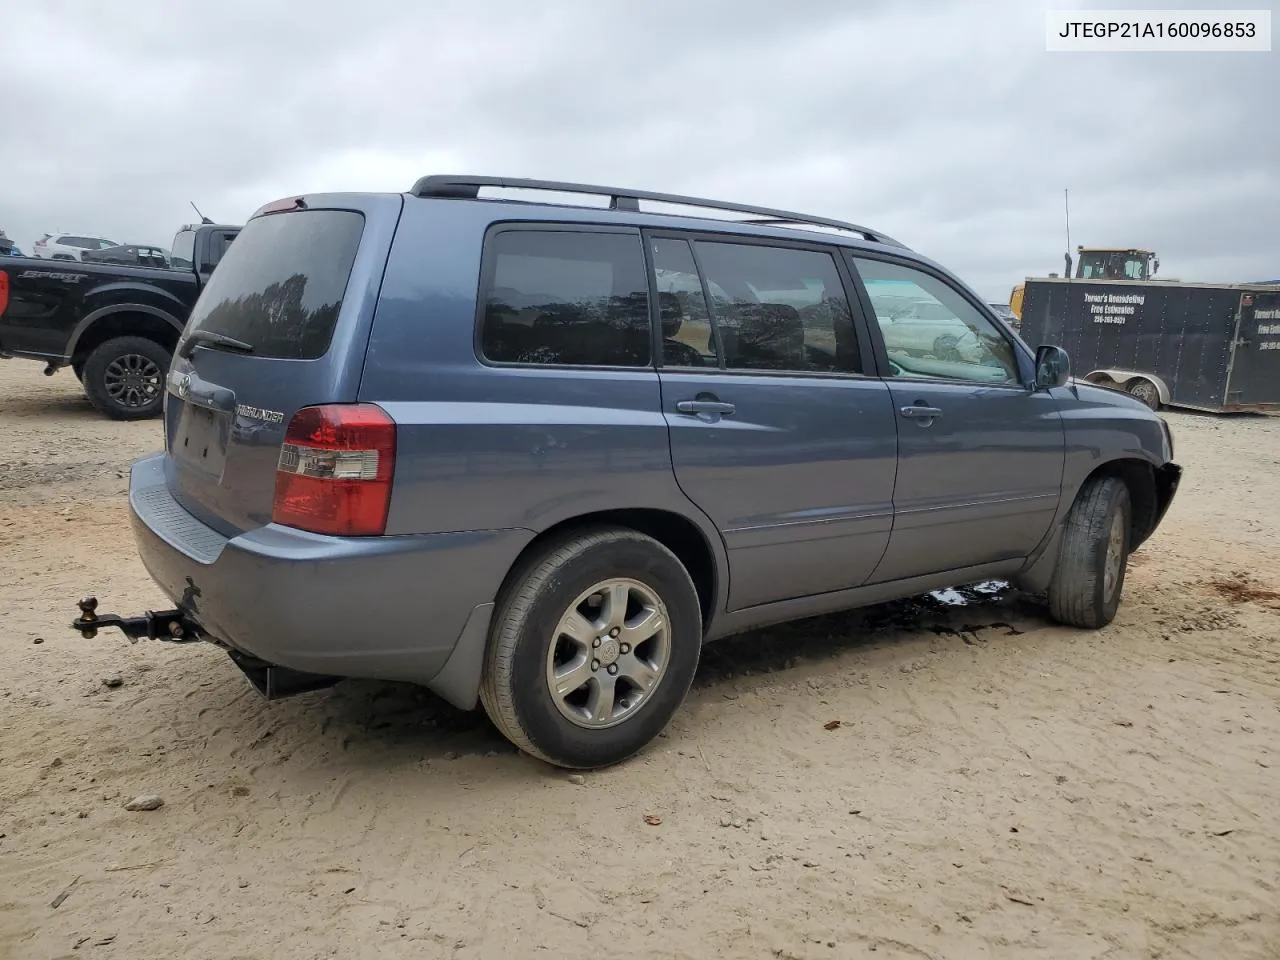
(1101, 263)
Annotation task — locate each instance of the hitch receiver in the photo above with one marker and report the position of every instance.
(171, 625)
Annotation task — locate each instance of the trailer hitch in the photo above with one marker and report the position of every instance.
(171, 625)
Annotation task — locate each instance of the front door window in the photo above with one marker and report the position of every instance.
(931, 331)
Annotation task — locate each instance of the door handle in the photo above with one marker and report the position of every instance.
(920, 413)
(705, 406)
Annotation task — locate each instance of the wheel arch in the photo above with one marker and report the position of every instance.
(1123, 377)
(1149, 494)
(1139, 476)
(678, 533)
(121, 320)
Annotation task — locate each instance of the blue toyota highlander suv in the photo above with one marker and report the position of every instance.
(535, 453)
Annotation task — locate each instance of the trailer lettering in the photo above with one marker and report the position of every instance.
(1266, 314)
(1268, 329)
(1113, 307)
(1269, 345)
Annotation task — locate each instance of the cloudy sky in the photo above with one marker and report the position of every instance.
(945, 124)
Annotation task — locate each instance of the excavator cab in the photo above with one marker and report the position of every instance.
(1114, 263)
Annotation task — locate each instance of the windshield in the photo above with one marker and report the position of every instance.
(184, 250)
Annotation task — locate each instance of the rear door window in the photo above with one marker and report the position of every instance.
(687, 337)
(779, 308)
(564, 297)
(280, 286)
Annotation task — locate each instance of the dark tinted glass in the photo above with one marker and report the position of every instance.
(565, 297)
(779, 309)
(280, 285)
(225, 241)
(687, 340)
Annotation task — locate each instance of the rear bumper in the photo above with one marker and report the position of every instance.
(395, 608)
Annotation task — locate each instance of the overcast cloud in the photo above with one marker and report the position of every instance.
(946, 125)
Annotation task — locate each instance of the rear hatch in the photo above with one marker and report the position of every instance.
(282, 324)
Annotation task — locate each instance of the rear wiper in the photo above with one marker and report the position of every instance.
(208, 338)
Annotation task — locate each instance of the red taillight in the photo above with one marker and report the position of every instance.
(4, 291)
(335, 468)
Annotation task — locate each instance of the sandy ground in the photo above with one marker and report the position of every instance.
(997, 786)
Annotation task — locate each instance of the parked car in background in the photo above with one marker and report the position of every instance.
(68, 246)
(922, 328)
(536, 455)
(114, 324)
(7, 247)
(129, 253)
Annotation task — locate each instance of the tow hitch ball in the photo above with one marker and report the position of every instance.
(169, 625)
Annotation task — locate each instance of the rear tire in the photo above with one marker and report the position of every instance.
(1093, 556)
(124, 378)
(565, 616)
(1144, 390)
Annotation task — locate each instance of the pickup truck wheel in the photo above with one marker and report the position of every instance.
(124, 378)
(593, 648)
(1093, 556)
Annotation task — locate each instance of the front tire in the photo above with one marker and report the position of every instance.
(124, 378)
(593, 648)
(1093, 556)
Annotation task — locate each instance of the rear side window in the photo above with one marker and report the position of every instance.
(564, 297)
(280, 286)
(184, 249)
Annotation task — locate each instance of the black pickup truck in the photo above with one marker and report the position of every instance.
(115, 326)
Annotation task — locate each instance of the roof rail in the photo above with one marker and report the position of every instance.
(467, 187)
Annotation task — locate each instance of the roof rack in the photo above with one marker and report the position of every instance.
(468, 188)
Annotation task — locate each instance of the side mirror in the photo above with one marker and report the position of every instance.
(1053, 367)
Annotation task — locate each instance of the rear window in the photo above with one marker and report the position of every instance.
(280, 286)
